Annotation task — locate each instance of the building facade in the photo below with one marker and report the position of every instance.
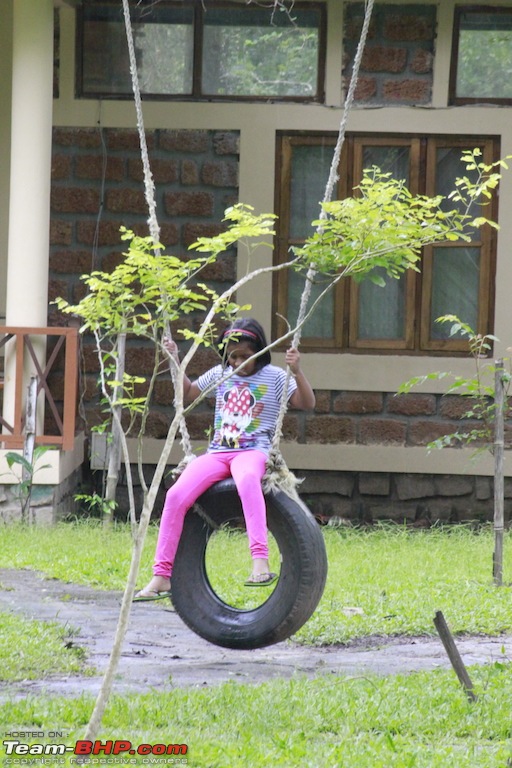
(244, 104)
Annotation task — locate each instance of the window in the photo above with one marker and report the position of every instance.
(455, 277)
(482, 56)
(203, 50)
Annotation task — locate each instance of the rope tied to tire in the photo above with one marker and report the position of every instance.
(303, 558)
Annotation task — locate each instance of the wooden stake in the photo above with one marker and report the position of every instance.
(454, 655)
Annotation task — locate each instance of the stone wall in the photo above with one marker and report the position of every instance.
(419, 500)
(372, 418)
(48, 503)
(97, 187)
(397, 63)
(367, 498)
(383, 418)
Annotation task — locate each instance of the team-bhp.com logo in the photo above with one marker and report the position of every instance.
(84, 748)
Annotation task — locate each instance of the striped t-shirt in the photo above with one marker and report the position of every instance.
(246, 407)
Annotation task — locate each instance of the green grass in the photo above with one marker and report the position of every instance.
(399, 578)
(421, 720)
(31, 650)
(82, 553)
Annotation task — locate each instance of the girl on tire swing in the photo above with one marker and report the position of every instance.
(246, 410)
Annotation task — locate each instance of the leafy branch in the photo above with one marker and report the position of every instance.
(479, 389)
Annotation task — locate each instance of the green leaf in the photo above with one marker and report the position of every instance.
(16, 458)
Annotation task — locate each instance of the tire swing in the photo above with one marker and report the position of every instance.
(289, 605)
(299, 539)
(303, 561)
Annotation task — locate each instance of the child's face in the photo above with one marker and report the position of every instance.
(237, 354)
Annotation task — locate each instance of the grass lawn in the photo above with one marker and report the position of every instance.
(421, 720)
(29, 649)
(398, 578)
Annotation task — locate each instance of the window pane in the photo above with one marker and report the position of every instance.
(449, 167)
(455, 282)
(393, 160)
(458, 277)
(381, 311)
(163, 39)
(484, 65)
(321, 323)
(310, 171)
(260, 52)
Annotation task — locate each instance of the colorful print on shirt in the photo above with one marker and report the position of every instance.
(246, 407)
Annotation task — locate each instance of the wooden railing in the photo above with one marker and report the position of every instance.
(63, 412)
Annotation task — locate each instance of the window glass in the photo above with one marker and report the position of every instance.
(484, 60)
(321, 323)
(381, 309)
(163, 40)
(449, 167)
(256, 53)
(455, 282)
(196, 50)
(309, 174)
(381, 312)
(393, 160)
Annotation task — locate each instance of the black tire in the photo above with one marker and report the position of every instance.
(296, 594)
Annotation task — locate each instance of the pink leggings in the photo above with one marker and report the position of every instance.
(247, 468)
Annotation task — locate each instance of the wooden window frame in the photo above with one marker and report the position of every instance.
(283, 244)
(417, 339)
(486, 243)
(453, 99)
(197, 93)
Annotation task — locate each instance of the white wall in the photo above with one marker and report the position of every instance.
(5, 142)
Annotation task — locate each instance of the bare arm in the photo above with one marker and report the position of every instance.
(303, 397)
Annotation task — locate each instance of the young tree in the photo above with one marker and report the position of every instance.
(483, 421)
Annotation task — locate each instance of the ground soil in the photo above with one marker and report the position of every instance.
(160, 653)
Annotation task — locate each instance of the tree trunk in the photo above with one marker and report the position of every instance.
(499, 494)
(114, 455)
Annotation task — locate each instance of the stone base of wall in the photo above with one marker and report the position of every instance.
(360, 498)
(365, 498)
(48, 503)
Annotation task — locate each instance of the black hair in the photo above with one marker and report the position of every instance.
(246, 329)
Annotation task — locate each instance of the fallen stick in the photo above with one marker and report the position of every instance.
(454, 655)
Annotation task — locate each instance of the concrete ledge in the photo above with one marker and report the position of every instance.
(356, 458)
(51, 469)
(48, 503)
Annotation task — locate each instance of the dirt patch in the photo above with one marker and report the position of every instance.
(161, 653)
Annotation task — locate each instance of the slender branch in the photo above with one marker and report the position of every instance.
(124, 615)
(120, 433)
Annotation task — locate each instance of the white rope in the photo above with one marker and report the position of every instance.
(149, 184)
(149, 191)
(276, 461)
